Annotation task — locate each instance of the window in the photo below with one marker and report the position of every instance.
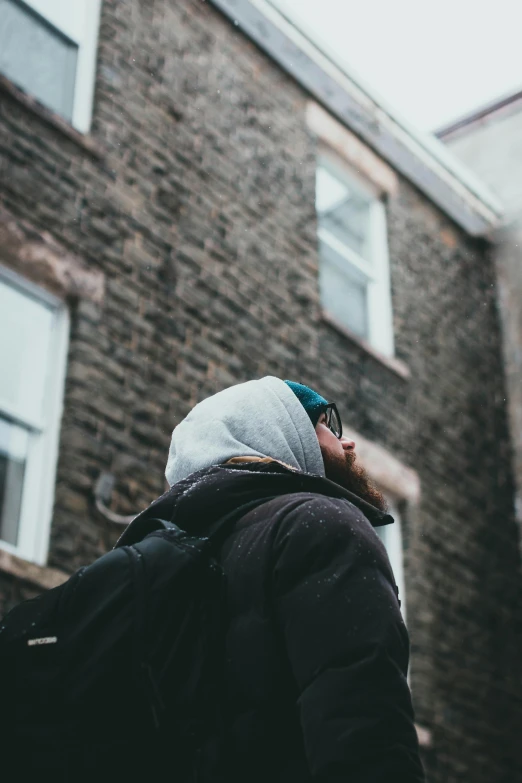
(353, 255)
(391, 536)
(48, 48)
(33, 348)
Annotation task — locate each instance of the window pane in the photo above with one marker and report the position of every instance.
(25, 335)
(37, 57)
(344, 291)
(344, 210)
(391, 536)
(13, 454)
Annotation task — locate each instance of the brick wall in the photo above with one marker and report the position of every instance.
(199, 212)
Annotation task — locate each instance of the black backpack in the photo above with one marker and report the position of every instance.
(117, 673)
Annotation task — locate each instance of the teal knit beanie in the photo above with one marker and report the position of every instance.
(311, 401)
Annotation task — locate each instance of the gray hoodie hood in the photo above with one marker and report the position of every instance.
(257, 419)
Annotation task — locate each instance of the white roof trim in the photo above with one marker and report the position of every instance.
(419, 157)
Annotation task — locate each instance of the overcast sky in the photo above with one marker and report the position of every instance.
(431, 60)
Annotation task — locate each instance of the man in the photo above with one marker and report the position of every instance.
(316, 649)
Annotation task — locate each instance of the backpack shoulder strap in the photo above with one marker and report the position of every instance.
(142, 526)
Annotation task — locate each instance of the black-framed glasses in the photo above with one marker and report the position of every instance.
(333, 420)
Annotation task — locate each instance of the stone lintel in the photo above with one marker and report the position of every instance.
(37, 256)
(386, 470)
(355, 152)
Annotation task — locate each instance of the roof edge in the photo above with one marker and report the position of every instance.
(505, 102)
(420, 158)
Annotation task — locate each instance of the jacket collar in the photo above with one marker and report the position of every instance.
(203, 497)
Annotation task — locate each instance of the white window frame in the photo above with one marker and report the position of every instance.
(380, 318)
(78, 20)
(40, 471)
(391, 536)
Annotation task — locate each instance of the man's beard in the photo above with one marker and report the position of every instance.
(346, 472)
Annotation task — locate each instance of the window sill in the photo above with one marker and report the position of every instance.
(395, 365)
(85, 142)
(41, 576)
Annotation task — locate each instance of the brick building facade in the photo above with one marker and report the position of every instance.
(178, 238)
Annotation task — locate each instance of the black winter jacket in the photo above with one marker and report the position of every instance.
(316, 648)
